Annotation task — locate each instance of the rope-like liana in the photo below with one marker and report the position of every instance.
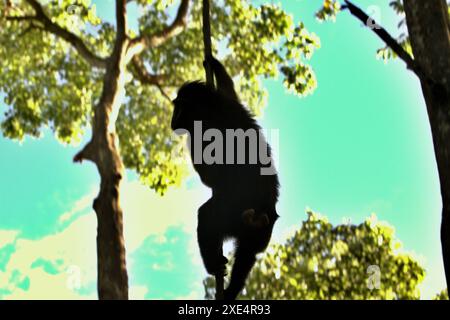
(207, 41)
(210, 81)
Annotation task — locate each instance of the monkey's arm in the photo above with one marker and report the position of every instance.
(223, 80)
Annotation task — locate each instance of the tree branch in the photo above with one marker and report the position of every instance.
(21, 18)
(164, 94)
(142, 42)
(121, 20)
(70, 37)
(144, 76)
(147, 78)
(386, 37)
(32, 26)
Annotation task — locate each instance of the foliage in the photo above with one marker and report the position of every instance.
(322, 261)
(330, 8)
(47, 84)
(443, 295)
(403, 39)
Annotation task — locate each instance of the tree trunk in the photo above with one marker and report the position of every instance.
(112, 273)
(103, 151)
(429, 31)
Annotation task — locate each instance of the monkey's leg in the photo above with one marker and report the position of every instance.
(250, 241)
(245, 258)
(210, 239)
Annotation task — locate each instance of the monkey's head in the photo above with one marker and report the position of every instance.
(193, 103)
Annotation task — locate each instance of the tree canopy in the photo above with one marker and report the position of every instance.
(346, 261)
(52, 64)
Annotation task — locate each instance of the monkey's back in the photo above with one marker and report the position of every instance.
(251, 184)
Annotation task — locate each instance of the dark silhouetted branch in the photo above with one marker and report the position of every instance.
(386, 37)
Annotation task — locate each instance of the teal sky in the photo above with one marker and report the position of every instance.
(359, 145)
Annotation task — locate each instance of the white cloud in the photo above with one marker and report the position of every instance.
(79, 206)
(7, 237)
(138, 292)
(44, 286)
(197, 294)
(74, 246)
(145, 214)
